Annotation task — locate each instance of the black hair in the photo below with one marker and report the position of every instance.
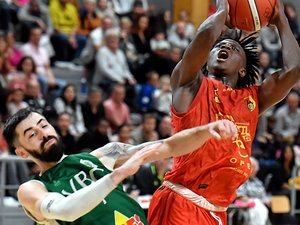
(12, 122)
(252, 56)
(284, 148)
(20, 64)
(73, 103)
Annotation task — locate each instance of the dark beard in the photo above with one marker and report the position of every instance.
(53, 154)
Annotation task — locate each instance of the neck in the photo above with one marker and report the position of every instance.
(224, 80)
(44, 166)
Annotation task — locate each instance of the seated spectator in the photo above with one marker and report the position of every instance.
(64, 16)
(122, 135)
(189, 27)
(279, 183)
(5, 16)
(292, 16)
(67, 102)
(88, 19)
(94, 42)
(283, 172)
(253, 191)
(96, 138)
(145, 94)
(165, 128)
(159, 58)
(35, 99)
(146, 131)
(150, 176)
(117, 111)
(163, 96)
(16, 100)
(107, 70)
(93, 109)
(25, 73)
(178, 37)
(42, 62)
(34, 14)
(141, 36)
(287, 118)
(64, 121)
(14, 54)
(270, 42)
(104, 8)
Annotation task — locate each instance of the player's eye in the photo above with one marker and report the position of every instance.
(32, 134)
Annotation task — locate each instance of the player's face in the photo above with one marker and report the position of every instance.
(38, 138)
(226, 58)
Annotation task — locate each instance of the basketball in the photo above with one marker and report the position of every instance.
(250, 15)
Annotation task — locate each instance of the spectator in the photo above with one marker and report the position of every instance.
(64, 121)
(150, 176)
(88, 19)
(141, 36)
(145, 100)
(42, 61)
(16, 101)
(270, 41)
(96, 138)
(163, 96)
(253, 191)
(35, 99)
(178, 37)
(165, 128)
(146, 131)
(94, 42)
(122, 135)
(159, 58)
(14, 54)
(127, 46)
(175, 55)
(64, 16)
(5, 22)
(288, 118)
(117, 111)
(189, 27)
(291, 15)
(265, 65)
(280, 184)
(104, 9)
(34, 14)
(67, 102)
(107, 70)
(93, 109)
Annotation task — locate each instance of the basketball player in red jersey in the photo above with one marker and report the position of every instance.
(202, 184)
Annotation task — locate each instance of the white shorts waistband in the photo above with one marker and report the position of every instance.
(193, 197)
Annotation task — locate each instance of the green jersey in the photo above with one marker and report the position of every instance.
(80, 170)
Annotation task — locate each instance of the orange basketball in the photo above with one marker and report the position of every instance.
(250, 15)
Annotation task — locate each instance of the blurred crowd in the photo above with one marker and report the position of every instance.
(127, 49)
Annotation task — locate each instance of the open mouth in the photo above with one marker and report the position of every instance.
(222, 55)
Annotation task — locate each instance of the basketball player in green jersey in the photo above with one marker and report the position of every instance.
(85, 188)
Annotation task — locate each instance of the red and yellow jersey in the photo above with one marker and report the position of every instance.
(218, 168)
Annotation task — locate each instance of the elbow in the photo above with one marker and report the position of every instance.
(69, 216)
(296, 70)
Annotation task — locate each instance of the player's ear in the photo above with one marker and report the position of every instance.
(242, 72)
(21, 152)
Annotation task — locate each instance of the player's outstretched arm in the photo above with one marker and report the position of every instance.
(277, 86)
(188, 140)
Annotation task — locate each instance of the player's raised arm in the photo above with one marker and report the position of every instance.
(277, 86)
(195, 56)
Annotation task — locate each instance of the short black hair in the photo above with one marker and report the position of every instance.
(12, 122)
(252, 56)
